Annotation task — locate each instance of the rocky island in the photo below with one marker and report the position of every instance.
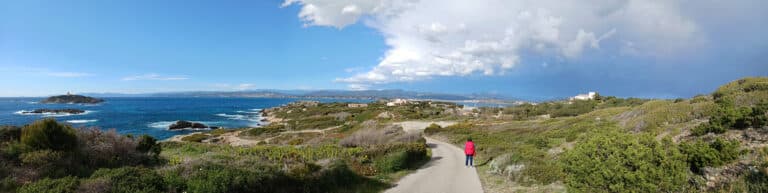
(189, 125)
(55, 111)
(74, 99)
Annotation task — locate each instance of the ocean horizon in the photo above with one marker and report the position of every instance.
(149, 115)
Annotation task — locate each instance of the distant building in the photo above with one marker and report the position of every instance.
(357, 105)
(584, 97)
(397, 102)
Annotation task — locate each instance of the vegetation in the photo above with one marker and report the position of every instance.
(619, 162)
(701, 154)
(624, 145)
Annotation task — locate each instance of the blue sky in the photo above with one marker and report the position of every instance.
(547, 50)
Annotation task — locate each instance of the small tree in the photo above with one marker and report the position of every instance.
(49, 134)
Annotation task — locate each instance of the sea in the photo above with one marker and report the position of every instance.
(150, 115)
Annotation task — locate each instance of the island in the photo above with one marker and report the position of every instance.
(74, 99)
(189, 125)
(55, 111)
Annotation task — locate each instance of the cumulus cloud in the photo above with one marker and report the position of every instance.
(154, 76)
(429, 38)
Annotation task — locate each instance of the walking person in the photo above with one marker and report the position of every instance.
(469, 150)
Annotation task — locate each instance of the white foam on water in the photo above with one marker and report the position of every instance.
(82, 121)
(26, 112)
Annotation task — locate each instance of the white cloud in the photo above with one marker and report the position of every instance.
(429, 38)
(358, 87)
(153, 76)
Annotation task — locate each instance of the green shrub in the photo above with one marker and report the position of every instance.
(197, 137)
(401, 157)
(216, 178)
(48, 134)
(432, 129)
(41, 157)
(701, 154)
(148, 144)
(705, 128)
(757, 181)
(47, 185)
(130, 179)
(13, 150)
(618, 162)
(7, 184)
(271, 128)
(9, 133)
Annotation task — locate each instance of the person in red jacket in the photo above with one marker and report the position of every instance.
(469, 150)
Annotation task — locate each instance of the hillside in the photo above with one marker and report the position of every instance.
(711, 142)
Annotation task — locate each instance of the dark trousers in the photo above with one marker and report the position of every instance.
(469, 160)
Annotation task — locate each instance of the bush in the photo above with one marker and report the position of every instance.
(197, 137)
(611, 161)
(401, 157)
(701, 154)
(705, 128)
(47, 185)
(9, 133)
(271, 128)
(130, 179)
(8, 185)
(48, 134)
(148, 144)
(215, 178)
(432, 129)
(108, 149)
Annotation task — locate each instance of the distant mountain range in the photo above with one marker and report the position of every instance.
(347, 94)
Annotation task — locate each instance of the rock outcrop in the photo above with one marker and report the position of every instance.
(188, 125)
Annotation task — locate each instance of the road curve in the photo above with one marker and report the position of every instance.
(444, 173)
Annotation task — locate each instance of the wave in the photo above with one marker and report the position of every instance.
(26, 112)
(251, 118)
(82, 121)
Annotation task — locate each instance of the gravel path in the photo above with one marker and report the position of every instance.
(445, 173)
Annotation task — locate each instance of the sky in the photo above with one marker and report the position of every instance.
(517, 48)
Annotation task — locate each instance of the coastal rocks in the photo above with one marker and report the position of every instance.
(74, 99)
(55, 111)
(189, 125)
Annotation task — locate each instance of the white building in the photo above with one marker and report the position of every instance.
(397, 102)
(583, 97)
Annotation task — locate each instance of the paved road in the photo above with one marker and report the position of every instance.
(445, 173)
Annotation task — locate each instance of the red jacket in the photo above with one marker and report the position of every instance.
(469, 148)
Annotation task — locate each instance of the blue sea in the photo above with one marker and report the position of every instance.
(149, 115)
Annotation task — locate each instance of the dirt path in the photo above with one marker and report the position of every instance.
(445, 173)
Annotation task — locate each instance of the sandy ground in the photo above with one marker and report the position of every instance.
(234, 139)
(418, 126)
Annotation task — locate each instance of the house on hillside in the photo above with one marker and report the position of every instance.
(397, 102)
(584, 97)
